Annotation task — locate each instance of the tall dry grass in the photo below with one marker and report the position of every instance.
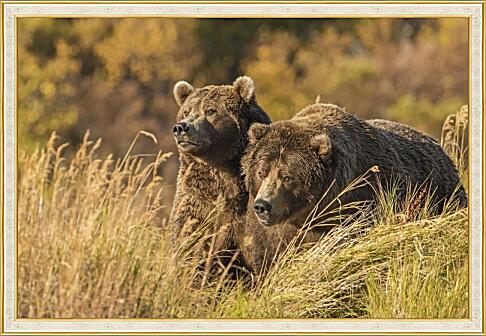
(92, 245)
(454, 139)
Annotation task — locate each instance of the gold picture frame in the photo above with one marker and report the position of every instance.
(244, 327)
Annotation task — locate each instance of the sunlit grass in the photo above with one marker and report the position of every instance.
(92, 243)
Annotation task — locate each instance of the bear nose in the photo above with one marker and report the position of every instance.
(262, 207)
(180, 128)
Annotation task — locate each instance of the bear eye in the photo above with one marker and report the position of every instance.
(210, 111)
(261, 173)
(286, 179)
(185, 113)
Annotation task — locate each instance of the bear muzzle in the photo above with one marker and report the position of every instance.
(263, 212)
(180, 128)
(183, 137)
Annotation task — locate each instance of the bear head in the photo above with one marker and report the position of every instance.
(287, 168)
(213, 121)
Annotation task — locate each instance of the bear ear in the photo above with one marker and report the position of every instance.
(182, 90)
(322, 145)
(245, 87)
(257, 131)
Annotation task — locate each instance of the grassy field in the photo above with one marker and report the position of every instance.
(92, 244)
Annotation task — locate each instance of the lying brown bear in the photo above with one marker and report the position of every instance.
(290, 164)
(211, 134)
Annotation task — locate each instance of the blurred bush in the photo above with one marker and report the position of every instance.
(412, 71)
(115, 76)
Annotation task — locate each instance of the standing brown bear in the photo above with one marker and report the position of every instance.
(290, 164)
(211, 134)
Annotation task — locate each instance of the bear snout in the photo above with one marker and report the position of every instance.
(180, 128)
(262, 208)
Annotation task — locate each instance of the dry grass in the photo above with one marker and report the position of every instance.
(92, 244)
(454, 139)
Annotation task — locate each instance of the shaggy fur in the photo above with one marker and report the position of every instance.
(290, 164)
(213, 122)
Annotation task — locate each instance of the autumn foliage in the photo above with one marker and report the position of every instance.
(115, 76)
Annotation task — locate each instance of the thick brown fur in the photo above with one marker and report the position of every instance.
(210, 190)
(290, 164)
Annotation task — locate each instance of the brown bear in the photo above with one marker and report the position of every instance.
(289, 165)
(211, 134)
